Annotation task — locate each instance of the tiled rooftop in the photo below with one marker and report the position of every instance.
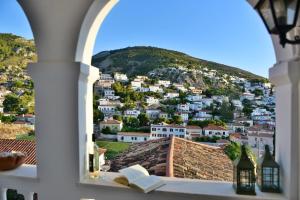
(179, 158)
(27, 147)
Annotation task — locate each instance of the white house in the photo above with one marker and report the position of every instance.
(152, 100)
(220, 99)
(247, 95)
(144, 89)
(133, 137)
(257, 142)
(202, 115)
(194, 131)
(120, 77)
(237, 104)
(108, 108)
(155, 88)
(236, 128)
(184, 116)
(180, 87)
(132, 113)
(114, 125)
(214, 130)
(164, 115)
(109, 93)
(153, 113)
(165, 130)
(196, 106)
(171, 95)
(141, 78)
(105, 76)
(194, 97)
(207, 101)
(164, 83)
(136, 85)
(261, 116)
(183, 107)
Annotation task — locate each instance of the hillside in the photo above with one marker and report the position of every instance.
(143, 60)
(15, 54)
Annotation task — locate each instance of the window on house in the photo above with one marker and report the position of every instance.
(171, 130)
(153, 129)
(164, 129)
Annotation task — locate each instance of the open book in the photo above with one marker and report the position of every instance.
(138, 177)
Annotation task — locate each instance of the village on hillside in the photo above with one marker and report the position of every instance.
(143, 119)
(142, 110)
(184, 121)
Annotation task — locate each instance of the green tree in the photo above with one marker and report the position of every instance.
(159, 120)
(247, 107)
(131, 122)
(258, 92)
(176, 119)
(233, 150)
(226, 112)
(26, 104)
(117, 117)
(106, 131)
(143, 119)
(98, 116)
(11, 103)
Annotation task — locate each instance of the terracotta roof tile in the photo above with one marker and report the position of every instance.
(111, 121)
(27, 147)
(177, 157)
(193, 127)
(214, 127)
(134, 134)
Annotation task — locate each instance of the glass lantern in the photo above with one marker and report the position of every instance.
(279, 16)
(268, 173)
(244, 174)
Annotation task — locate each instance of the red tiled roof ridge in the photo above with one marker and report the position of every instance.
(200, 144)
(193, 127)
(170, 158)
(214, 127)
(111, 121)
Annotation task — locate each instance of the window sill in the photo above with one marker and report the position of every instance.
(24, 171)
(198, 188)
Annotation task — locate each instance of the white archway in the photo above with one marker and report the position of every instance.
(58, 27)
(96, 15)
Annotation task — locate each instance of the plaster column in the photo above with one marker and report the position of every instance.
(285, 75)
(88, 75)
(56, 25)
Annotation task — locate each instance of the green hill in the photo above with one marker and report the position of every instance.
(142, 60)
(15, 50)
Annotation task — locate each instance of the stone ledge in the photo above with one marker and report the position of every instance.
(24, 171)
(213, 190)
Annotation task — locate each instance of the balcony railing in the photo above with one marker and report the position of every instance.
(25, 181)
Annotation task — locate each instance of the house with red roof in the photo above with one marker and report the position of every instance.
(214, 130)
(114, 125)
(166, 130)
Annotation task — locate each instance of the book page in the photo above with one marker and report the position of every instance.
(134, 172)
(148, 183)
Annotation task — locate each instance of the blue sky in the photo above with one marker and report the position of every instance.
(228, 32)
